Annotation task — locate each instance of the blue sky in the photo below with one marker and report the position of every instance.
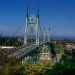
(59, 14)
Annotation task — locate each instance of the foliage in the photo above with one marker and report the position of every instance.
(10, 66)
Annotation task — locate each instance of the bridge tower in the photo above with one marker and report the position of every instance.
(49, 37)
(46, 52)
(32, 21)
(46, 34)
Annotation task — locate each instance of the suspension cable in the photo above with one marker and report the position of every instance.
(14, 33)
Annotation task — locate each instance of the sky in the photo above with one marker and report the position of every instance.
(59, 14)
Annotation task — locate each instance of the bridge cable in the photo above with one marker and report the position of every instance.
(14, 33)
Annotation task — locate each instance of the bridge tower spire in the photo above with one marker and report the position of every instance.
(32, 22)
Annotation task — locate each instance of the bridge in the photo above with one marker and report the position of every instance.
(42, 37)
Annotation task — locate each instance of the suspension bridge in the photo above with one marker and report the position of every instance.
(41, 37)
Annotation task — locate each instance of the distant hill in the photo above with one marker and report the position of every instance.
(52, 37)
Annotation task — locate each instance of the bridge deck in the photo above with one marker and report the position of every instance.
(22, 52)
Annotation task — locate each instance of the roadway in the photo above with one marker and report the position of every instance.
(22, 51)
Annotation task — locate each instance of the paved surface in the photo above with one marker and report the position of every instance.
(22, 51)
